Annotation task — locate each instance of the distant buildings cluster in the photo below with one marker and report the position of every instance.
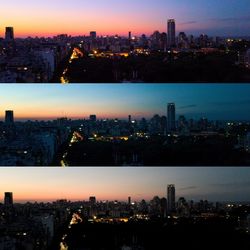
(35, 143)
(30, 59)
(35, 224)
(36, 59)
(30, 226)
(157, 125)
(30, 143)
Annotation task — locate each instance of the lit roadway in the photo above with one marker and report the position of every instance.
(76, 137)
(76, 218)
(76, 53)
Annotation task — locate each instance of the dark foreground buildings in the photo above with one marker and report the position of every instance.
(125, 225)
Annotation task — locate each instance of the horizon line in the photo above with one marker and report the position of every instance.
(24, 201)
(136, 34)
(16, 119)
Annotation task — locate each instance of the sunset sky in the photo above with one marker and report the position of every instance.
(50, 101)
(36, 184)
(78, 17)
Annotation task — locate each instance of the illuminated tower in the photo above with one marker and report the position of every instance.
(171, 198)
(171, 33)
(171, 117)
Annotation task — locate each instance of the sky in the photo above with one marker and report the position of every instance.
(78, 17)
(51, 101)
(49, 184)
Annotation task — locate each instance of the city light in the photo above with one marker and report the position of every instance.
(118, 58)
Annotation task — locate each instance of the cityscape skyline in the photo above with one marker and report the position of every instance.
(67, 17)
(210, 183)
(213, 101)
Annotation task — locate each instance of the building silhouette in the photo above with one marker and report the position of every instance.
(170, 198)
(129, 200)
(92, 200)
(92, 118)
(9, 117)
(171, 33)
(92, 34)
(8, 198)
(129, 35)
(171, 117)
(9, 33)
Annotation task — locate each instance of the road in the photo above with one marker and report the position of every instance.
(76, 137)
(76, 53)
(76, 218)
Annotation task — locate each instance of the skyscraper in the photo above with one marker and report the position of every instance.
(129, 36)
(8, 199)
(92, 118)
(129, 119)
(171, 117)
(92, 200)
(171, 198)
(129, 200)
(171, 33)
(9, 117)
(9, 33)
(92, 34)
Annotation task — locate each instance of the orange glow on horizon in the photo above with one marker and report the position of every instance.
(53, 195)
(76, 117)
(25, 32)
(43, 115)
(22, 198)
(60, 22)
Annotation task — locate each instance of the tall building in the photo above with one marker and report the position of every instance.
(129, 36)
(9, 33)
(129, 200)
(92, 118)
(171, 117)
(9, 117)
(129, 119)
(171, 198)
(171, 33)
(8, 199)
(92, 200)
(92, 34)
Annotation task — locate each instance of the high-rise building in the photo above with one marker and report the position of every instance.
(92, 118)
(129, 200)
(171, 117)
(92, 34)
(8, 198)
(9, 117)
(129, 119)
(92, 200)
(129, 35)
(171, 33)
(171, 198)
(9, 33)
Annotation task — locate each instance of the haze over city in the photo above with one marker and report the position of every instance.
(223, 102)
(37, 184)
(48, 18)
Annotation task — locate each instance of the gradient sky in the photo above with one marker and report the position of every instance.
(49, 101)
(214, 184)
(29, 17)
